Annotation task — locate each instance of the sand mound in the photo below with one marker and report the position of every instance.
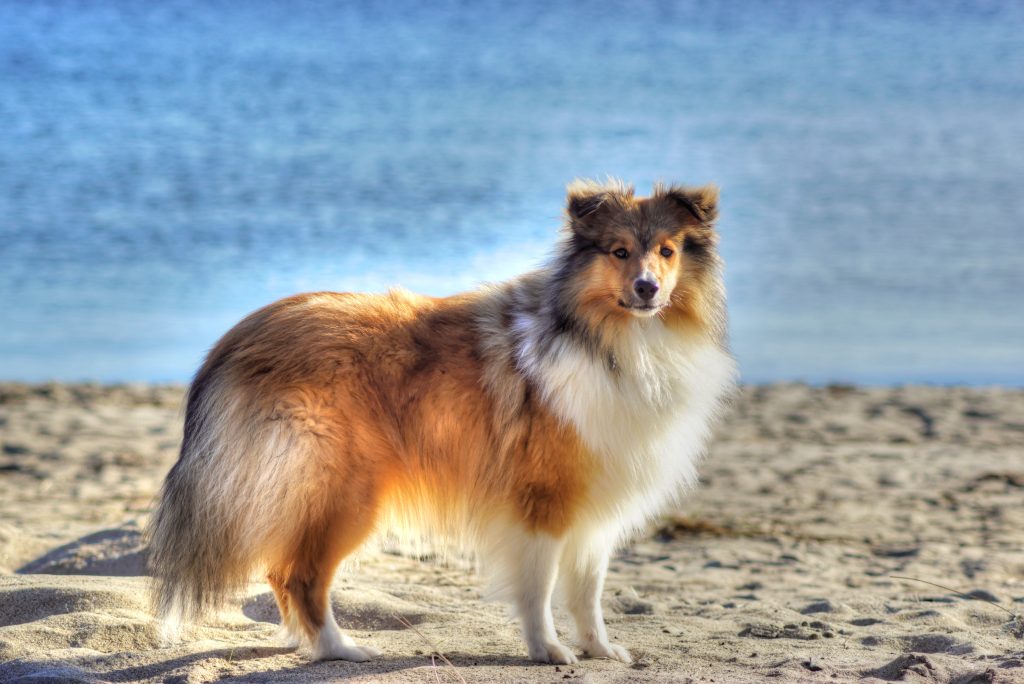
(118, 552)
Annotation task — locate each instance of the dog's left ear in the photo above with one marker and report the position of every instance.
(700, 202)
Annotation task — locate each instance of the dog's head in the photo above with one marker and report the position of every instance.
(640, 257)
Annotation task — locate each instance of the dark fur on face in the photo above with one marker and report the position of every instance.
(613, 239)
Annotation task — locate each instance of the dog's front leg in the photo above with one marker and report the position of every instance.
(536, 571)
(583, 570)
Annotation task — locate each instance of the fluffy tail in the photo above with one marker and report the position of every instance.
(195, 557)
(222, 503)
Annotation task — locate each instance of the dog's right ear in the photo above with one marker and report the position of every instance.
(587, 201)
(583, 203)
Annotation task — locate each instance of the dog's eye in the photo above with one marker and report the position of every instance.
(621, 253)
(666, 252)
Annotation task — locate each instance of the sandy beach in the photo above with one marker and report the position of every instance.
(785, 564)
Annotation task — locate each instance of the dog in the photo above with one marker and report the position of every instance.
(538, 422)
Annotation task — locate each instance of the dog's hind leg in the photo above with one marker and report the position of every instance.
(307, 579)
(581, 582)
(290, 632)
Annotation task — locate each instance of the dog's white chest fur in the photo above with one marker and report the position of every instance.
(646, 416)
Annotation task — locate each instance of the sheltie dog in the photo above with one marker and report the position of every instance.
(538, 422)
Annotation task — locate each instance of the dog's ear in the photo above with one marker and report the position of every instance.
(582, 205)
(588, 201)
(699, 203)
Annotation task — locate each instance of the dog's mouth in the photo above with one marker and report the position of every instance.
(641, 309)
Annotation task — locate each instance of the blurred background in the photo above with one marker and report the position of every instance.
(166, 167)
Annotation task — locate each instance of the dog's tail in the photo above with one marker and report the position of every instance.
(226, 504)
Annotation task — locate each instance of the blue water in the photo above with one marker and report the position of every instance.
(165, 167)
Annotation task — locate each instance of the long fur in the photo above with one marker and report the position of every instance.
(538, 422)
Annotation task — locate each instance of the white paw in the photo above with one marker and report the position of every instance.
(287, 636)
(554, 653)
(333, 645)
(371, 651)
(353, 654)
(605, 649)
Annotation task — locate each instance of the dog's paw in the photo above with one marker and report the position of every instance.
(354, 654)
(606, 649)
(371, 651)
(288, 637)
(552, 652)
(333, 645)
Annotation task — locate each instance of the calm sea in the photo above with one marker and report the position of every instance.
(166, 167)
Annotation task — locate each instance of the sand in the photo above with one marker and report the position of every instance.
(782, 566)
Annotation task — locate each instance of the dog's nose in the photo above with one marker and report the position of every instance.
(645, 289)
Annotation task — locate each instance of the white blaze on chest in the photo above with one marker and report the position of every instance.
(648, 419)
